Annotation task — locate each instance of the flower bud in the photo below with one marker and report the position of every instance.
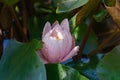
(58, 43)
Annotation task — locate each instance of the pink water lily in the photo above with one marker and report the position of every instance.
(58, 43)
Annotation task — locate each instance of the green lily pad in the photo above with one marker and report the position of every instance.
(109, 67)
(68, 5)
(20, 62)
(63, 73)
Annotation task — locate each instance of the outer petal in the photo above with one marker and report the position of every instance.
(46, 29)
(71, 54)
(65, 24)
(67, 45)
(42, 57)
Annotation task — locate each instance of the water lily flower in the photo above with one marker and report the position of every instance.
(58, 43)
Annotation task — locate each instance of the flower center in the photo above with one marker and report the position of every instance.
(57, 35)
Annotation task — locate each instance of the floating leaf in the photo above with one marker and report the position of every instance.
(63, 73)
(20, 62)
(86, 66)
(109, 67)
(68, 5)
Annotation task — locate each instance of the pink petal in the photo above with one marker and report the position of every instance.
(57, 27)
(52, 48)
(65, 24)
(46, 29)
(63, 47)
(67, 45)
(52, 53)
(55, 23)
(42, 57)
(71, 54)
(44, 60)
(54, 32)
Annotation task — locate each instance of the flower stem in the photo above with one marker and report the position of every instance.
(84, 41)
(25, 17)
(100, 47)
(22, 34)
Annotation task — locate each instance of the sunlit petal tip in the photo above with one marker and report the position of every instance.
(57, 27)
(72, 53)
(46, 29)
(65, 24)
(55, 23)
